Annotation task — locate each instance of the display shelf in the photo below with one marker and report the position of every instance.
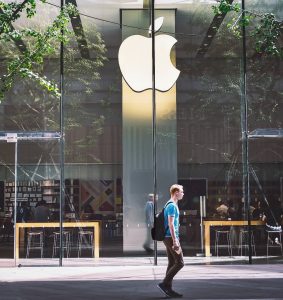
(32, 192)
(233, 190)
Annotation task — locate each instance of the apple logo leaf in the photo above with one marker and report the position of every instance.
(157, 25)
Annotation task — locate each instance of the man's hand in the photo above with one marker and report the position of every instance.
(176, 243)
(176, 246)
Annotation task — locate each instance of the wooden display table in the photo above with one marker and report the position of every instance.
(208, 224)
(94, 225)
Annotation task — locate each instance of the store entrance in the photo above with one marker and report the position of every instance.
(29, 194)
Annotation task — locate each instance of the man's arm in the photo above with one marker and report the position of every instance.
(172, 231)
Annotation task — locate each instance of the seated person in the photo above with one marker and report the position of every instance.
(41, 212)
(222, 209)
(23, 213)
(273, 216)
(257, 212)
(232, 210)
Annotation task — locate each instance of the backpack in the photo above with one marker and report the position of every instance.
(158, 230)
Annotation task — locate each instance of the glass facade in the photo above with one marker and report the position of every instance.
(117, 146)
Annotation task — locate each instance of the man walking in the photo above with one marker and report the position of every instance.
(171, 241)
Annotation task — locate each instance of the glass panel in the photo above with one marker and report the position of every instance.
(93, 126)
(38, 187)
(7, 186)
(26, 107)
(264, 84)
(208, 129)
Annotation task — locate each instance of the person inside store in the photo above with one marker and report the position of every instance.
(222, 209)
(54, 212)
(232, 210)
(273, 216)
(257, 211)
(149, 221)
(23, 213)
(23, 216)
(41, 212)
(7, 227)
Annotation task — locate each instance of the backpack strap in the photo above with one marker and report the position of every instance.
(163, 213)
(168, 203)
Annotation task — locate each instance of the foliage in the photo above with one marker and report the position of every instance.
(266, 30)
(12, 11)
(36, 106)
(41, 43)
(225, 6)
(267, 34)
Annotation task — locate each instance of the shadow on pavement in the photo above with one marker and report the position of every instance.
(141, 289)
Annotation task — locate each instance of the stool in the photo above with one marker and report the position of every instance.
(35, 241)
(223, 235)
(85, 241)
(244, 239)
(270, 243)
(66, 242)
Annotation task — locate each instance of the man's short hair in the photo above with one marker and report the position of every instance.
(175, 188)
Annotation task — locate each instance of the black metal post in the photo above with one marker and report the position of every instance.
(15, 200)
(153, 119)
(245, 138)
(62, 143)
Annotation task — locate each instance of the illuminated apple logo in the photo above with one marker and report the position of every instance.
(135, 61)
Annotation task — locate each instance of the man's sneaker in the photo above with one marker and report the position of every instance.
(175, 294)
(165, 290)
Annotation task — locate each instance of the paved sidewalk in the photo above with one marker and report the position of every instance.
(137, 279)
